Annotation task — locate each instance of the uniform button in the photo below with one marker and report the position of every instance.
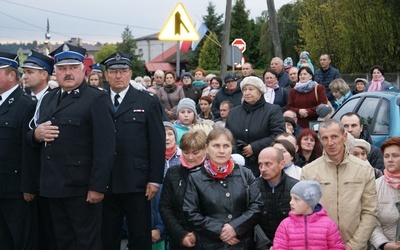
(6, 123)
(16, 171)
(246, 130)
(53, 118)
(224, 185)
(221, 182)
(48, 157)
(227, 194)
(79, 162)
(69, 121)
(230, 216)
(134, 118)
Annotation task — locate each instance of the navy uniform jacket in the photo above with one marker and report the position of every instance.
(81, 158)
(140, 152)
(16, 157)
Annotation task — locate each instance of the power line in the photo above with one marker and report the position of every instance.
(78, 17)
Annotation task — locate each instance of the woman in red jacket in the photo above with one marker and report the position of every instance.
(305, 97)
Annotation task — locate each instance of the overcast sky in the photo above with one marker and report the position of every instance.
(99, 20)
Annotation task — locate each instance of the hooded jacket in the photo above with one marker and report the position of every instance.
(315, 231)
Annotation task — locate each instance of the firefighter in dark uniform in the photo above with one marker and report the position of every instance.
(76, 133)
(18, 221)
(139, 158)
(37, 70)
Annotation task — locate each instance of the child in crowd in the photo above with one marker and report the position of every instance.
(308, 225)
(187, 117)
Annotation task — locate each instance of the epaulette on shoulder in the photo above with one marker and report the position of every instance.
(29, 96)
(97, 88)
(146, 92)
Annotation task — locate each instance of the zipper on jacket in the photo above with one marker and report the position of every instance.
(337, 194)
(305, 231)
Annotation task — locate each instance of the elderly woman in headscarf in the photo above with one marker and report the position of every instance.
(255, 123)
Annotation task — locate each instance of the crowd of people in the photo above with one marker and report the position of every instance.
(194, 161)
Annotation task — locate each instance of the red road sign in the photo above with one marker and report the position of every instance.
(240, 43)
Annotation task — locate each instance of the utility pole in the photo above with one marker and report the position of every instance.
(225, 39)
(273, 26)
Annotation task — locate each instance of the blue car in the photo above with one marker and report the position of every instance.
(380, 113)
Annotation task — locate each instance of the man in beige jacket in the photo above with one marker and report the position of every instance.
(348, 186)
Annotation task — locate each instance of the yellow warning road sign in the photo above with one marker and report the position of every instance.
(179, 27)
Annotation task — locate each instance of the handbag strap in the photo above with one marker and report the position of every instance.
(246, 184)
(169, 101)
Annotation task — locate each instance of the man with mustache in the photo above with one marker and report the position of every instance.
(75, 133)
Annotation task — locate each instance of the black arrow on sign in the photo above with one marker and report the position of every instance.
(178, 23)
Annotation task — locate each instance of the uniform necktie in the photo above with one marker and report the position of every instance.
(1, 98)
(116, 102)
(63, 95)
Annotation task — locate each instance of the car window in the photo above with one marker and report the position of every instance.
(348, 107)
(367, 111)
(374, 107)
(382, 118)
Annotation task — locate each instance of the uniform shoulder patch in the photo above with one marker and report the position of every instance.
(146, 92)
(97, 88)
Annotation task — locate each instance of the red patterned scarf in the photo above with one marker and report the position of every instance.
(218, 172)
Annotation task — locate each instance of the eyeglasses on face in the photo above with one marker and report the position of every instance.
(116, 71)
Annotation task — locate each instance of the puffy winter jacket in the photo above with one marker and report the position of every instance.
(315, 231)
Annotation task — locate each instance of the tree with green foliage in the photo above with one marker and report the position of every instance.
(287, 17)
(104, 52)
(358, 34)
(213, 20)
(128, 45)
(214, 23)
(248, 30)
(210, 53)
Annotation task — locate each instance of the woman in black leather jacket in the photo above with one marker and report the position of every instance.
(193, 144)
(215, 199)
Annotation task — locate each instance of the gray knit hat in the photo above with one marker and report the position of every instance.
(170, 125)
(187, 103)
(323, 110)
(304, 55)
(361, 80)
(309, 191)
